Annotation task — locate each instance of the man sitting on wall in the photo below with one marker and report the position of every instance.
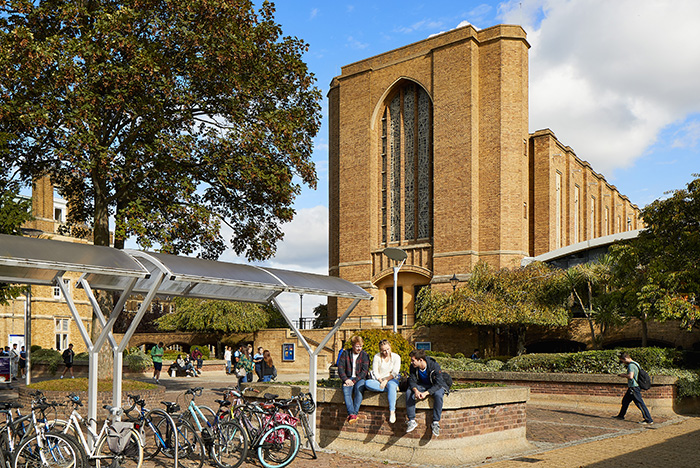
(353, 368)
(424, 379)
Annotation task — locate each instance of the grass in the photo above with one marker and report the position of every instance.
(81, 384)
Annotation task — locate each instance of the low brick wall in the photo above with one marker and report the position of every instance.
(153, 398)
(582, 391)
(476, 424)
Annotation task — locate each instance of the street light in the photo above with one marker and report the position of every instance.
(454, 281)
(397, 255)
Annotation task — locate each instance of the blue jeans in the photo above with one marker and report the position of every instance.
(391, 387)
(228, 367)
(266, 378)
(353, 396)
(437, 402)
(633, 394)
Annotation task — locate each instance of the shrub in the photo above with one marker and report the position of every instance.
(459, 356)
(34, 348)
(136, 360)
(495, 364)
(399, 345)
(48, 357)
(438, 354)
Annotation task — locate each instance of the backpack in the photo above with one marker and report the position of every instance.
(643, 379)
(447, 378)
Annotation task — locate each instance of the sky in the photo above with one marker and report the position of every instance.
(617, 81)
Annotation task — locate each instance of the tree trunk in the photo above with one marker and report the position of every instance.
(645, 331)
(105, 360)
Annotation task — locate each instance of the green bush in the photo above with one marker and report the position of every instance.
(34, 348)
(438, 354)
(203, 349)
(399, 345)
(136, 360)
(47, 357)
(495, 365)
(459, 356)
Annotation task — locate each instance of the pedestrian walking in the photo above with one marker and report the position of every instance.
(68, 356)
(23, 362)
(633, 393)
(157, 356)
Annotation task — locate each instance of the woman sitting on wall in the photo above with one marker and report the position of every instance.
(386, 367)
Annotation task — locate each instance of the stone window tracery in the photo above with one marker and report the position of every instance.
(406, 165)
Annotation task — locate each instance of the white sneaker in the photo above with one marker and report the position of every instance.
(61, 377)
(72, 376)
(392, 417)
(411, 426)
(435, 427)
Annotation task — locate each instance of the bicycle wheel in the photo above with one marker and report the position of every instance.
(248, 420)
(190, 452)
(152, 428)
(278, 446)
(230, 445)
(54, 451)
(308, 435)
(131, 456)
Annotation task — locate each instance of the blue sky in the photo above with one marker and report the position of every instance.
(618, 81)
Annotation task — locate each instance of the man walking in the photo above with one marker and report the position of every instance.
(157, 357)
(633, 393)
(14, 362)
(68, 356)
(424, 379)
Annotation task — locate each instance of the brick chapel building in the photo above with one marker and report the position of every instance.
(429, 152)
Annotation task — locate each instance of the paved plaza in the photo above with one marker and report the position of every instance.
(559, 437)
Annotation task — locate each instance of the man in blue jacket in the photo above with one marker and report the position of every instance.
(424, 379)
(353, 367)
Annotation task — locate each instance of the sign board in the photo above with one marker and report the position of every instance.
(5, 369)
(288, 352)
(424, 345)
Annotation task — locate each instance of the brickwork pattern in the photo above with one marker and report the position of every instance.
(454, 424)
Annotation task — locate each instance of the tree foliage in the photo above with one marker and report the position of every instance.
(222, 317)
(174, 117)
(321, 316)
(522, 296)
(14, 211)
(656, 275)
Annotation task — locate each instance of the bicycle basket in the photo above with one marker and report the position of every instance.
(307, 404)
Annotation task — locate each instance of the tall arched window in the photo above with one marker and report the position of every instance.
(406, 165)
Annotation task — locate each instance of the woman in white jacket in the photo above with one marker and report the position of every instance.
(386, 367)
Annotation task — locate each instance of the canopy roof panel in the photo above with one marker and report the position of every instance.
(29, 260)
(209, 279)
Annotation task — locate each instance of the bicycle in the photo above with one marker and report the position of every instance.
(102, 452)
(160, 437)
(301, 406)
(270, 429)
(45, 449)
(225, 441)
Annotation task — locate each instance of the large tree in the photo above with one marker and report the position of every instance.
(174, 117)
(14, 211)
(656, 275)
(513, 298)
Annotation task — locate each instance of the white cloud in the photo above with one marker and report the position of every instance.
(606, 76)
(355, 44)
(688, 136)
(313, 13)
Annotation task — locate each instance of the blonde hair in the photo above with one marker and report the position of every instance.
(357, 339)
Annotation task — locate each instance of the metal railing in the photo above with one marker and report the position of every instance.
(362, 321)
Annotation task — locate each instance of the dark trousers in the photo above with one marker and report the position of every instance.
(437, 402)
(633, 394)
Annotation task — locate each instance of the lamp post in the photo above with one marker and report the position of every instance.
(397, 255)
(454, 281)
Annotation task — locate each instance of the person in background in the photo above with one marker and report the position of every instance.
(475, 355)
(353, 369)
(68, 356)
(227, 358)
(197, 358)
(14, 362)
(23, 362)
(257, 360)
(244, 367)
(157, 356)
(268, 367)
(633, 393)
(386, 367)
